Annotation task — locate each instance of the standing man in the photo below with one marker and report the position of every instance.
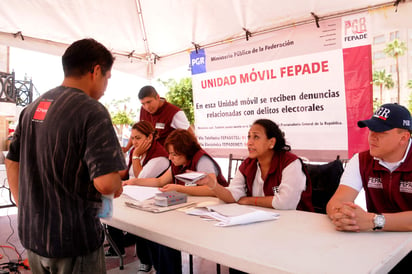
(384, 172)
(165, 117)
(63, 157)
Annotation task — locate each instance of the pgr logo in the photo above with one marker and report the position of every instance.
(198, 61)
(355, 29)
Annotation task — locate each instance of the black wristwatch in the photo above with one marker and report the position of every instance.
(378, 221)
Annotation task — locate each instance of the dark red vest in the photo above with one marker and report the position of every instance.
(161, 120)
(280, 160)
(192, 166)
(386, 192)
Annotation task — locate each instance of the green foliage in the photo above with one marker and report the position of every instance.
(395, 49)
(409, 84)
(376, 104)
(119, 113)
(181, 95)
(410, 103)
(382, 79)
(121, 118)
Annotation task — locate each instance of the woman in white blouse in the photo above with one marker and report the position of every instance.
(271, 176)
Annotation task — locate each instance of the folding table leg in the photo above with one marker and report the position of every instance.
(113, 244)
(190, 263)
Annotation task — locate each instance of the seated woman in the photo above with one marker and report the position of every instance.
(270, 177)
(185, 154)
(147, 159)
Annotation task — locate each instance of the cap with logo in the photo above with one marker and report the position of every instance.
(387, 117)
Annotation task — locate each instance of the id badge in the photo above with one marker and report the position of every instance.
(160, 126)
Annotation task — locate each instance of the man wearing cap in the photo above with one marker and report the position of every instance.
(384, 172)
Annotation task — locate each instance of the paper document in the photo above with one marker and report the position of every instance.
(150, 206)
(230, 210)
(233, 214)
(140, 193)
(190, 178)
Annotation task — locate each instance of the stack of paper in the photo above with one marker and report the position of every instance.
(141, 197)
(140, 193)
(190, 178)
(233, 214)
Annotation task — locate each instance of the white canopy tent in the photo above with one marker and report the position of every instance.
(150, 37)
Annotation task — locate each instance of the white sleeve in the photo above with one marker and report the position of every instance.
(237, 186)
(291, 187)
(154, 167)
(351, 175)
(180, 120)
(206, 165)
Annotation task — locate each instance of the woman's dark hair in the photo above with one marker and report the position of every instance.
(273, 131)
(146, 128)
(183, 142)
(83, 55)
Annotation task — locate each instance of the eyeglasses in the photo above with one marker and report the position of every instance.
(174, 154)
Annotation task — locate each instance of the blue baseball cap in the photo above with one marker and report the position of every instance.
(387, 117)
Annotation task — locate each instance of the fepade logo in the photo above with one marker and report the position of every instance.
(355, 30)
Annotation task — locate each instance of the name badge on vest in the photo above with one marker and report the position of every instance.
(160, 126)
(275, 190)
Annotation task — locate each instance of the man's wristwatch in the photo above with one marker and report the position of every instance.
(136, 158)
(378, 221)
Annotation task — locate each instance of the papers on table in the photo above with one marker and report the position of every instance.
(140, 193)
(190, 178)
(233, 214)
(141, 197)
(150, 206)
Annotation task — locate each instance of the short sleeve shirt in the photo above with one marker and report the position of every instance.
(63, 141)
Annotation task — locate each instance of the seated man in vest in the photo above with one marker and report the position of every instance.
(384, 172)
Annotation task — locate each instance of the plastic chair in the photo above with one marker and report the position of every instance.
(234, 163)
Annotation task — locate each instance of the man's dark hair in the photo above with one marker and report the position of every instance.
(83, 55)
(147, 91)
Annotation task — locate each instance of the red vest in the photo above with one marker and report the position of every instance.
(386, 192)
(192, 166)
(161, 119)
(280, 160)
(155, 150)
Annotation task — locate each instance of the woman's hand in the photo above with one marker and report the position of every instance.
(209, 180)
(246, 201)
(171, 187)
(127, 182)
(142, 148)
